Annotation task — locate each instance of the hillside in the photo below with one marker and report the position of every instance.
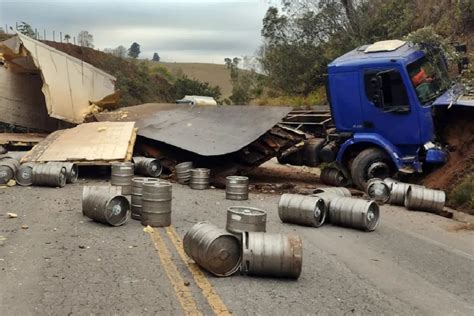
(136, 84)
(214, 74)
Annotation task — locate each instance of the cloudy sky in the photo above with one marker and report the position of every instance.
(179, 30)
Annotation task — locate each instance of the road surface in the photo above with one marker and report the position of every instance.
(414, 263)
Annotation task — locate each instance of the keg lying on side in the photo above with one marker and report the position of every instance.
(183, 172)
(236, 188)
(378, 190)
(333, 176)
(156, 204)
(302, 210)
(398, 191)
(136, 198)
(424, 199)
(24, 174)
(354, 213)
(272, 254)
(214, 249)
(102, 205)
(243, 218)
(149, 167)
(199, 179)
(122, 174)
(53, 175)
(8, 169)
(72, 171)
(327, 194)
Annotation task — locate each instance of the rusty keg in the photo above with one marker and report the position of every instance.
(156, 204)
(136, 198)
(354, 213)
(236, 188)
(333, 176)
(52, 175)
(183, 172)
(424, 199)
(24, 174)
(102, 205)
(274, 255)
(244, 218)
(302, 210)
(199, 179)
(149, 167)
(8, 168)
(212, 248)
(72, 171)
(122, 174)
(378, 190)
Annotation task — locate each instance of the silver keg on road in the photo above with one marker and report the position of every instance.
(8, 169)
(354, 213)
(156, 204)
(398, 191)
(333, 176)
(24, 174)
(327, 194)
(183, 172)
(378, 190)
(137, 192)
(272, 254)
(214, 249)
(302, 209)
(237, 188)
(103, 205)
(424, 199)
(72, 171)
(53, 175)
(122, 174)
(243, 218)
(200, 179)
(149, 167)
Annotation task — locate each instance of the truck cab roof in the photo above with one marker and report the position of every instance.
(378, 53)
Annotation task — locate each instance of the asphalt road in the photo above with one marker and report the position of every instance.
(414, 263)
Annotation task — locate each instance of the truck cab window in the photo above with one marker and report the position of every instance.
(389, 85)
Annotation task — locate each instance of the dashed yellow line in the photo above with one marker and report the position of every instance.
(183, 292)
(214, 300)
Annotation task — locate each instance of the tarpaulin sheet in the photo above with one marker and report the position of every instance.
(210, 131)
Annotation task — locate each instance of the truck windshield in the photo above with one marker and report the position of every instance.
(429, 79)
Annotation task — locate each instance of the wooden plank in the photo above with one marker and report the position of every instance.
(88, 144)
(27, 138)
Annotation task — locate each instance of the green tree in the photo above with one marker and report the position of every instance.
(67, 38)
(156, 57)
(26, 29)
(134, 50)
(186, 86)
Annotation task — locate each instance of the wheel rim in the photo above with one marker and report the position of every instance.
(379, 170)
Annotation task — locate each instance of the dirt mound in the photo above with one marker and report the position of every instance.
(459, 134)
(136, 84)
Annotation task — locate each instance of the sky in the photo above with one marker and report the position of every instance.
(179, 30)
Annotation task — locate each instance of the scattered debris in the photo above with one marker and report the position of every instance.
(24, 226)
(12, 215)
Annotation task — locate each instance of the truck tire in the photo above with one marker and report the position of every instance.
(369, 158)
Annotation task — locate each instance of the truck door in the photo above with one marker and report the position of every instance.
(386, 107)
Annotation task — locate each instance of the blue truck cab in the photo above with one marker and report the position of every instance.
(381, 99)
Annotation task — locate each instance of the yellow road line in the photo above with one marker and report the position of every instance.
(183, 292)
(201, 280)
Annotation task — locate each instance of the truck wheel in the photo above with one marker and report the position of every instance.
(370, 163)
